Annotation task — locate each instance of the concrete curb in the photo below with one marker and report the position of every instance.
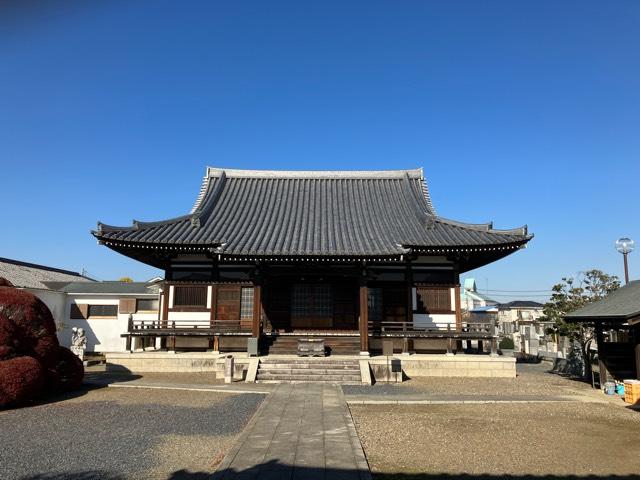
(457, 402)
(190, 389)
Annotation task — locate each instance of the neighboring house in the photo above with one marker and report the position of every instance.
(102, 309)
(35, 278)
(471, 299)
(516, 316)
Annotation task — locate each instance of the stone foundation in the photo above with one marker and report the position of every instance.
(443, 366)
(382, 368)
(179, 362)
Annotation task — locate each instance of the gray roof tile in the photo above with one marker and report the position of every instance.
(253, 212)
(31, 275)
(621, 304)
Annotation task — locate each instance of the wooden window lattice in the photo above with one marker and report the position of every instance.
(190, 296)
(103, 311)
(246, 303)
(433, 300)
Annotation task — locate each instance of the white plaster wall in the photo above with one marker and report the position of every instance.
(55, 301)
(103, 334)
(189, 316)
(434, 321)
(421, 320)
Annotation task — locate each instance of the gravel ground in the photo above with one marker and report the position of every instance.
(514, 439)
(533, 439)
(119, 433)
(532, 380)
(98, 375)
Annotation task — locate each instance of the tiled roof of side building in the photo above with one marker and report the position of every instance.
(108, 288)
(31, 275)
(254, 212)
(622, 304)
(521, 304)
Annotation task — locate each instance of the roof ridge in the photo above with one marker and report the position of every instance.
(356, 174)
(484, 227)
(209, 200)
(203, 190)
(422, 213)
(40, 267)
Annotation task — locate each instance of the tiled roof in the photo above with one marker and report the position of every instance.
(521, 304)
(622, 304)
(31, 275)
(104, 288)
(253, 212)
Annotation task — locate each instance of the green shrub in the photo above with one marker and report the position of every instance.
(506, 344)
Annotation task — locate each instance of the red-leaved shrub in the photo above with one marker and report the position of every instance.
(31, 359)
(21, 380)
(70, 370)
(33, 329)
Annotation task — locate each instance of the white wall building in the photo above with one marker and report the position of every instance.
(102, 309)
(471, 299)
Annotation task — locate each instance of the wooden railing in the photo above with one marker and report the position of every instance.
(480, 332)
(191, 326)
(471, 330)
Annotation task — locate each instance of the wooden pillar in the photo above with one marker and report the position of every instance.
(458, 308)
(409, 282)
(406, 348)
(213, 342)
(214, 305)
(165, 312)
(364, 316)
(602, 368)
(257, 310)
(634, 337)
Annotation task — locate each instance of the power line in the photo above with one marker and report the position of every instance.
(515, 291)
(520, 295)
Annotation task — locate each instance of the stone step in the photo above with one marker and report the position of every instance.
(303, 366)
(307, 361)
(308, 371)
(308, 378)
(327, 382)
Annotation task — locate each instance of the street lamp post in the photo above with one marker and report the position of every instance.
(625, 246)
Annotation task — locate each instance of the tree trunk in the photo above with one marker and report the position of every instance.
(586, 358)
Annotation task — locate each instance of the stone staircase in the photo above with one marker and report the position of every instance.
(314, 370)
(288, 344)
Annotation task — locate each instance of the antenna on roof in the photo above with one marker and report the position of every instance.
(85, 273)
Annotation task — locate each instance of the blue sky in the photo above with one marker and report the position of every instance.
(519, 112)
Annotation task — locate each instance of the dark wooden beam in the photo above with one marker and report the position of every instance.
(214, 304)
(257, 310)
(637, 351)
(409, 283)
(165, 311)
(364, 316)
(458, 308)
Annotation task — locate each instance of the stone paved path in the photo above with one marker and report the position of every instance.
(301, 431)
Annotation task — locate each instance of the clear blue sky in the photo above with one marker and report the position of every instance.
(519, 112)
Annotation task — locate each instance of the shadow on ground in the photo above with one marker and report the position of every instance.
(275, 470)
(90, 382)
(104, 379)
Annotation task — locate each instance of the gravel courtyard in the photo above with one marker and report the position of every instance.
(122, 433)
(585, 435)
